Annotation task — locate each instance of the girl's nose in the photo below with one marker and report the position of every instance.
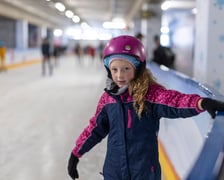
(120, 73)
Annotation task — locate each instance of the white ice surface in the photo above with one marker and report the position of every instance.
(40, 118)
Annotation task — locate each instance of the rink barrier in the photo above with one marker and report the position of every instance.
(210, 158)
(19, 56)
(22, 64)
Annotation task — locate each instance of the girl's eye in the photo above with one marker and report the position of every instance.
(126, 68)
(114, 69)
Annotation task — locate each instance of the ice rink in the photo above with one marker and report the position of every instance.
(41, 116)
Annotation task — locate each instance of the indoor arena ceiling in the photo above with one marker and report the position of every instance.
(94, 12)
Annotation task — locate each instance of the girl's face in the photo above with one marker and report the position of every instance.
(122, 72)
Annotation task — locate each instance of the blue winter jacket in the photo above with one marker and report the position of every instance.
(132, 146)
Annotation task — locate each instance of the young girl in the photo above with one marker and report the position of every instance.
(129, 112)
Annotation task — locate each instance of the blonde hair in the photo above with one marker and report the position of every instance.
(138, 89)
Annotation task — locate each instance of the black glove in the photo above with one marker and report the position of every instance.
(212, 106)
(72, 166)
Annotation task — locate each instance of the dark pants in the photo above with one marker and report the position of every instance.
(47, 62)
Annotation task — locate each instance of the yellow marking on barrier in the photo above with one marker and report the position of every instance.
(168, 170)
(22, 64)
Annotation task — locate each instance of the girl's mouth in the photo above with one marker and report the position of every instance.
(121, 82)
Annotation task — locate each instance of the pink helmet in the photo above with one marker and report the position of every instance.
(125, 44)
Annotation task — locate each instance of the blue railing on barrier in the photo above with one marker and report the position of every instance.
(208, 164)
(210, 160)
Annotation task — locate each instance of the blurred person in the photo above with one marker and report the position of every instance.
(2, 56)
(91, 53)
(46, 61)
(139, 36)
(100, 50)
(129, 112)
(78, 52)
(56, 54)
(163, 55)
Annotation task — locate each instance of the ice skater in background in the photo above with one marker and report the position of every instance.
(129, 112)
(46, 53)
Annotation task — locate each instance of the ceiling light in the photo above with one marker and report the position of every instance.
(178, 5)
(60, 7)
(76, 19)
(58, 32)
(166, 5)
(164, 30)
(69, 14)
